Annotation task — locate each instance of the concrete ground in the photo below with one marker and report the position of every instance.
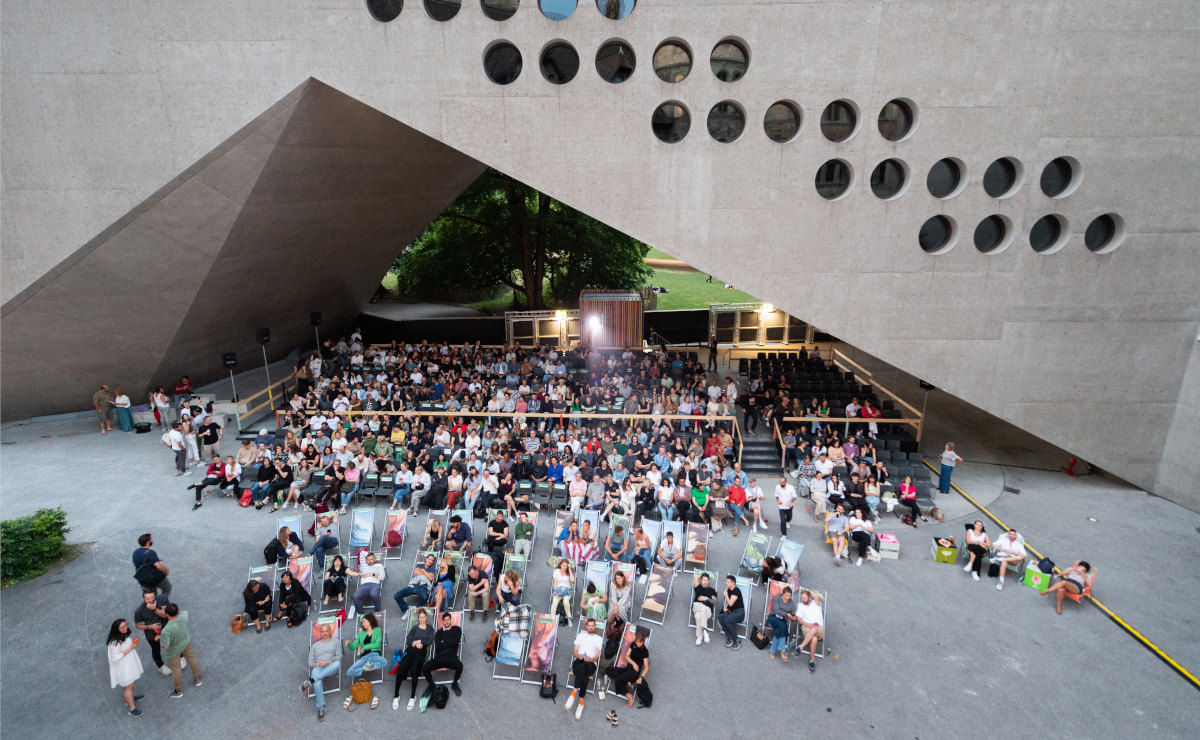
(917, 648)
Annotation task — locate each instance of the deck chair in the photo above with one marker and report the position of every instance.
(598, 573)
(358, 563)
(675, 528)
(1087, 590)
(318, 591)
(510, 650)
(483, 562)
(695, 553)
(446, 675)
(301, 570)
(543, 640)
(789, 553)
(460, 568)
(623, 520)
(263, 574)
(331, 684)
(622, 659)
(562, 521)
(443, 518)
(376, 675)
(630, 577)
(714, 581)
(294, 522)
(518, 563)
(592, 517)
(654, 531)
(757, 547)
(822, 596)
(397, 521)
(658, 595)
(362, 531)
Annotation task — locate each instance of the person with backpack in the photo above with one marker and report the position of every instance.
(149, 570)
(294, 600)
(631, 678)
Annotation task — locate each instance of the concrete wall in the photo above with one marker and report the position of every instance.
(1180, 467)
(102, 103)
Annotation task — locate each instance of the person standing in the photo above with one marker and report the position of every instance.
(149, 569)
(210, 437)
(124, 411)
(173, 440)
(712, 347)
(162, 406)
(149, 617)
(102, 401)
(583, 667)
(177, 646)
(324, 660)
(785, 498)
(949, 459)
(124, 666)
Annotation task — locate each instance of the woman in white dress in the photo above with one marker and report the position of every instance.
(124, 665)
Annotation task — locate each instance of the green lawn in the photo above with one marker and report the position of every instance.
(658, 254)
(690, 289)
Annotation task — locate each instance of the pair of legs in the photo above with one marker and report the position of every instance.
(914, 507)
(1060, 590)
(839, 545)
(641, 560)
(809, 636)
(401, 596)
(370, 662)
(347, 496)
(410, 668)
(701, 613)
(565, 603)
(582, 672)
(261, 613)
(367, 591)
(863, 540)
(729, 622)
(779, 640)
(785, 516)
(201, 485)
(181, 461)
(522, 547)
(323, 545)
(176, 664)
(400, 496)
(820, 505)
(443, 593)
(975, 561)
(318, 675)
(439, 662)
(665, 513)
(334, 588)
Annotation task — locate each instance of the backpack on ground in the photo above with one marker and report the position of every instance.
(489, 647)
(759, 638)
(297, 613)
(237, 624)
(439, 697)
(908, 520)
(993, 569)
(549, 689)
(269, 553)
(644, 695)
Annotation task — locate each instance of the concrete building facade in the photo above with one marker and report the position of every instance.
(108, 110)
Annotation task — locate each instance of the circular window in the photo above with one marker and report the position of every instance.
(1001, 178)
(782, 121)
(937, 235)
(992, 234)
(839, 120)
(502, 63)
(499, 10)
(726, 121)
(729, 60)
(1059, 178)
(385, 10)
(558, 10)
(945, 178)
(615, 61)
(896, 120)
(1105, 233)
(833, 179)
(1048, 234)
(672, 61)
(671, 122)
(442, 10)
(560, 63)
(615, 9)
(888, 178)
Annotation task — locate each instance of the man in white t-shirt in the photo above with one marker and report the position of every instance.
(812, 627)
(174, 441)
(371, 574)
(1010, 551)
(785, 497)
(587, 653)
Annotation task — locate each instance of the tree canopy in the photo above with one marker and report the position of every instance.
(500, 231)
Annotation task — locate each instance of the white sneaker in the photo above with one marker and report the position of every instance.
(579, 711)
(411, 703)
(966, 567)
(395, 705)
(165, 670)
(570, 701)
(1000, 586)
(975, 576)
(706, 636)
(858, 562)
(699, 639)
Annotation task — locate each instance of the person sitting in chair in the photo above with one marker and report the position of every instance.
(371, 575)
(443, 586)
(1010, 552)
(369, 640)
(497, 540)
(446, 642)
(324, 660)
(291, 593)
(433, 535)
(459, 537)
(668, 552)
(422, 581)
(335, 580)
(257, 598)
(1074, 580)
(812, 627)
(583, 667)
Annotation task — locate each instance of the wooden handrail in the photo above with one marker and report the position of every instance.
(269, 387)
(514, 414)
(778, 436)
(870, 380)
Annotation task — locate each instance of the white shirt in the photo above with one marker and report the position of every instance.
(372, 573)
(588, 645)
(859, 525)
(818, 485)
(824, 467)
(1010, 548)
(175, 439)
(785, 495)
(852, 409)
(810, 613)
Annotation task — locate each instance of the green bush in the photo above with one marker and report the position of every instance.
(31, 544)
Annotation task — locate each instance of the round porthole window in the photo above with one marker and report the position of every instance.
(888, 179)
(671, 122)
(442, 10)
(945, 178)
(385, 11)
(1002, 178)
(839, 120)
(615, 61)
(558, 10)
(726, 121)
(896, 120)
(937, 234)
(672, 61)
(992, 234)
(615, 10)
(729, 60)
(833, 179)
(502, 63)
(1104, 234)
(1060, 177)
(559, 63)
(782, 121)
(499, 10)
(1048, 234)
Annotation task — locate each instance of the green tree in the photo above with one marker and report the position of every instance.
(500, 231)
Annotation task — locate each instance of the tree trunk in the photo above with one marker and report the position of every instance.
(522, 241)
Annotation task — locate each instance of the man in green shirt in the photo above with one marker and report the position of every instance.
(176, 644)
(102, 401)
(369, 444)
(523, 535)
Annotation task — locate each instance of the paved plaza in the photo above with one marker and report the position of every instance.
(916, 648)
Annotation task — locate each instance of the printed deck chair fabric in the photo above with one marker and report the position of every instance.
(333, 683)
(301, 570)
(630, 578)
(676, 529)
(294, 522)
(543, 640)
(484, 563)
(562, 524)
(596, 572)
(397, 521)
(362, 531)
(375, 675)
(789, 552)
(509, 650)
(757, 546)
(696, 552)
(518, 563)
(443, 518)
(658, 593)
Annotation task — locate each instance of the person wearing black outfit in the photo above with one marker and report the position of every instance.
(210, 437)
(262, 486)
(750, 415)
(335, 478)
(632, 677)
(291, 593)
(145, 558)
(420, 637)
(445, 654)
(439, 489)
(732, 613)
(281, 484)
(150, 618)
(712, 347)
(335, 580)
(257, 598)
(497, 540)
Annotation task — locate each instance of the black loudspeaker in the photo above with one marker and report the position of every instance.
(315, 318)
(927, 386)
(230, 359)
(264, 336)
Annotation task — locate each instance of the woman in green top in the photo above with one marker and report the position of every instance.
(700, 504)
(370, 641)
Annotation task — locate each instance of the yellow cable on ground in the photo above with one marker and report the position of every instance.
(1174, 664)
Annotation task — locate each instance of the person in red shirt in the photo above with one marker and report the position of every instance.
(736, 500)
(870, 412)
(183, 387)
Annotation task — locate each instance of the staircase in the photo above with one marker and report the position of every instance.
(760, 457)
